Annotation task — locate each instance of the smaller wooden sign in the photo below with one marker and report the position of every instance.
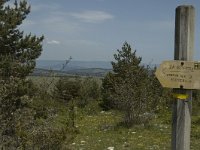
(179, 74)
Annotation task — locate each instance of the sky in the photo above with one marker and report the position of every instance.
(93, 30)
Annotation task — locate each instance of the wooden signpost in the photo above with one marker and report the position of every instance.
(182, 75)
(179, 74)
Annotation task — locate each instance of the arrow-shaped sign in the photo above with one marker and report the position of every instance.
(179, 74)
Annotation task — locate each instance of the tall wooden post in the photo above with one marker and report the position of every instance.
(184, 47)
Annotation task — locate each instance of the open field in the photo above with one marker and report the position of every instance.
(101, 131)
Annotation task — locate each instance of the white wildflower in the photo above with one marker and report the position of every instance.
(140, 136)
(133, 132)
(110, 148)
(82, 141)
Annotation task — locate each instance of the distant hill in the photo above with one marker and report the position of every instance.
(97, 72)
(80, 68)
(72, 65)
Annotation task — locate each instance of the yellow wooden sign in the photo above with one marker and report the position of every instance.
(179, 74)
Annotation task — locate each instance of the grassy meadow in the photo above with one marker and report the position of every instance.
(101, 130)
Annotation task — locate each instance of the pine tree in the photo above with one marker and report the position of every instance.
(124, 88)
(17, 59)
(17, 50)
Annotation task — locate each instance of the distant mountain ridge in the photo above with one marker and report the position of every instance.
(78, 68)
(72, 65)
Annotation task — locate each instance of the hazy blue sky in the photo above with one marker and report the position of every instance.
(95, 29)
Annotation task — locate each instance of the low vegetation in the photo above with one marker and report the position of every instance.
(76, 113)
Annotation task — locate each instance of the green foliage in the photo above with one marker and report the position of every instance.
(77, 92)
(159, 98)
(66, 89)
(19, 50)
(196, 102)
(89, 91)
(125, 88)
(14, 110)
(107, 90)
(133, 89)
(17, 60)
(49, 131)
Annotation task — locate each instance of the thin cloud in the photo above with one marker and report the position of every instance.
(53, 42)
(44, 7)
(93, 16)
(28, 23)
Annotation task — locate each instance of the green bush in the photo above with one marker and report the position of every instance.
(196, 102)
(67, 89)
(89, 91)
(15, 111)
